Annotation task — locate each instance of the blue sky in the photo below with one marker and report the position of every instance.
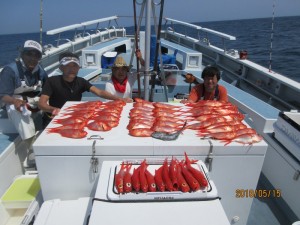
(22, 16)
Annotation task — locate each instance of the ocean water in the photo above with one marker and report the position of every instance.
(253, 35)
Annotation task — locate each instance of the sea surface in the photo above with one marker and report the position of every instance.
(253, 35)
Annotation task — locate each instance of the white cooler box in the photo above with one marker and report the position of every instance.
(287, 131)
(57, 212)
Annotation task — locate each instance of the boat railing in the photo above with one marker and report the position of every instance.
(79, 40)
(82, 26)
(198, 30)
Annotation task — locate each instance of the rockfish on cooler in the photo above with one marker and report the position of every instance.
(70, 133)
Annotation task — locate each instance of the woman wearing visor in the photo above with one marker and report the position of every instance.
(20, 86)
(67, 87)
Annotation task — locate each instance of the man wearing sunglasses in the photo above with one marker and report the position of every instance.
(20, 87)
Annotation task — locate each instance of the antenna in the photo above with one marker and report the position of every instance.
(272, 33)
(41, 22)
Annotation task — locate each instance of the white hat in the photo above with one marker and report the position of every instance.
(32, 45)
(66, 60)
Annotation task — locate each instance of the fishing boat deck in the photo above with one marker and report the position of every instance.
(265, 211)
(6, 140)
(88, 73)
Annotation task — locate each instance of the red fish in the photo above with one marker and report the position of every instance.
(208, 103)
(245, 131)
(70, 133)
(173, 173)
(105, 117)
(143, 105)
(80, 108)
(168, 124)
(246, 139)
(119, 183)
(140, 100)
(182, 184)
(135, 179)
(196, 173)
(127, 183)
(86, 104)
(190, 179)
(166, 106)
(220, 135)
(159, 180)
(84, 114)
(68, 127)
(166, 176)
(143, 179)
(98, 126)
(141, 132)
(138, 125)
(69, 120)
(150, 181)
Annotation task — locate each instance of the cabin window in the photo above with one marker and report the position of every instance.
(193, 61)
(90, 59)
(121, 49)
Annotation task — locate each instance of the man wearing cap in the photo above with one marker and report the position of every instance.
(67, 87)
(20, 86)
(121, 82)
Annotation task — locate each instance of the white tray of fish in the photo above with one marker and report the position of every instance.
(203, 193)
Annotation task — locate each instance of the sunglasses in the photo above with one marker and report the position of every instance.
(33, 54)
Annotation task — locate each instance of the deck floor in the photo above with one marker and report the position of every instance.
(266, 211)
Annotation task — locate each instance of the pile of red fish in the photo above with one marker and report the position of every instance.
(148, 117)
(211, 119)
(93, 115)
(176, 176)
(221, 121)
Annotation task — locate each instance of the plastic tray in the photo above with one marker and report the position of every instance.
(210, 192)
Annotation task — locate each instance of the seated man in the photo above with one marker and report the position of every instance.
(209, 89)
(20, 86)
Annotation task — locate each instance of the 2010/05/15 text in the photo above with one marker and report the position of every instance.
(257, 193)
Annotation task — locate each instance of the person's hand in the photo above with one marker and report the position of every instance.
(18, 103)
(189, 78)
(140, 57)
(127, 100)
(138, 53)
(183, 101)
(55, 112)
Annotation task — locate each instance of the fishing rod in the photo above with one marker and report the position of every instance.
(136, 47)
(272, 33)
(157, 49)
(41, 22)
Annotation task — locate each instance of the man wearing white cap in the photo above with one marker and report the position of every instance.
(68, 87)
(20, 86)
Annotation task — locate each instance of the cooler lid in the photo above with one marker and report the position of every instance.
(57, 212)
(186, 211)
(118, 142)
(167, 213)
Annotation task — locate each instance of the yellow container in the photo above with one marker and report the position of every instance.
(21, 192)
